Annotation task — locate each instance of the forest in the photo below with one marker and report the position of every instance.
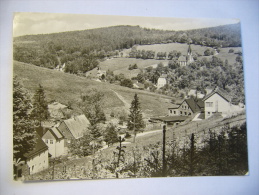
(83, 50)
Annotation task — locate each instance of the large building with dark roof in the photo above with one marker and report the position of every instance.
(37, 159)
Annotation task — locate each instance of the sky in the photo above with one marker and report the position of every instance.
(26, 23)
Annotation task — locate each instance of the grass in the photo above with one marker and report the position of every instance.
(66, 88)
(120, 65)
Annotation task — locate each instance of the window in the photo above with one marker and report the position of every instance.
(209, 104)
(185, 113)
(208, 113)
(46, 141)
(51, 141)
(171, 111)
(174, 112)
(181, 112)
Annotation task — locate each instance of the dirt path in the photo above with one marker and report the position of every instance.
(127, 105)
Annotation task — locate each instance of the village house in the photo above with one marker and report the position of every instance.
(161, 82)
(137, 85)
(187, 108)
(38, 160)
(218, 101)
(182, 61)
(54, 139)
(61, 68)
(74, 128)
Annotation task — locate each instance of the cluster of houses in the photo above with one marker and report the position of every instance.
(183, 60)
(53, 141)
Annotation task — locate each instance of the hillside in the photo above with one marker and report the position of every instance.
(82, 50)
(66, 88)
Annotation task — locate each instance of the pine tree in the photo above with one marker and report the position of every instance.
(23, 126)
(135, 121)
(111, 135)
(40, 106)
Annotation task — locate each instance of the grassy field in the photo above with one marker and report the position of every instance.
(63, 88)
(120, 65)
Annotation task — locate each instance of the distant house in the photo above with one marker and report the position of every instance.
(56, 110)
(101, 73)
(74, 128)
(161, 82)
(37, 160)
(54, 139)
(137, 85)
(187, 108)
(61, 68)
(218, 101)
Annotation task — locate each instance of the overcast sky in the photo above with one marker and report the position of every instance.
(42, 23)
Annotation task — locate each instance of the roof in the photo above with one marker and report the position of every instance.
(174, 107)
(139, 85)
(195, 106)
(56, 106)
(39, 147)
(220, 92)
(182, 59)
(171, 118)
(55, 132)
(77, 125)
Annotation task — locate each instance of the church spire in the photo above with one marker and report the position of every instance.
(189, 52)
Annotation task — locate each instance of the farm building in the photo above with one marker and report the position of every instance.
(187, 108)
(161, 82)
(37, 160)
(74, 128)
(54, 139)
(218, 101)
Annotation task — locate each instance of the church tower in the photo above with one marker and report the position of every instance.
(189, 55)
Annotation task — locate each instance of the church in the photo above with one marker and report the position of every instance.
(186, 60)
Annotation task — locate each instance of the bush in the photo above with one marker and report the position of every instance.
(231, 51)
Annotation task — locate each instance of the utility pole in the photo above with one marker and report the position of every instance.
(164, 163)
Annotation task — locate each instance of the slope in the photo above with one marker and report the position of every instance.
(66, 88)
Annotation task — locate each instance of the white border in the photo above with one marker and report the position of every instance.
(247, 11)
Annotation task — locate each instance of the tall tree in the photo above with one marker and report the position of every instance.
(23, 125)
(40, 106)
(135, 121)
(91, 105)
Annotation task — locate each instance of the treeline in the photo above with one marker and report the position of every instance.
(50, 50)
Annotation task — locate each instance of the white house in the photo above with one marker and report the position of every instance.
(161, 82)
(37, 160)
(219, 102)
(54, 139)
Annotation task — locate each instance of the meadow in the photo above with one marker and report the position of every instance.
(66, 88)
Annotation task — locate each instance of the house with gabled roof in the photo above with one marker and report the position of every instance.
(37, 159)
(55, 141)
(187, 108)
(218, 101)
(74, 128)
(161, 82)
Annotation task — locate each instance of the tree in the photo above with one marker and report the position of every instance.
(40, 106)
(207, 52)
(23, 125)
(135, 120)
(91, 105)
(127, 83)
(110, 135)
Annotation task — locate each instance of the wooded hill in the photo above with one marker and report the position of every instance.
(82, 50)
